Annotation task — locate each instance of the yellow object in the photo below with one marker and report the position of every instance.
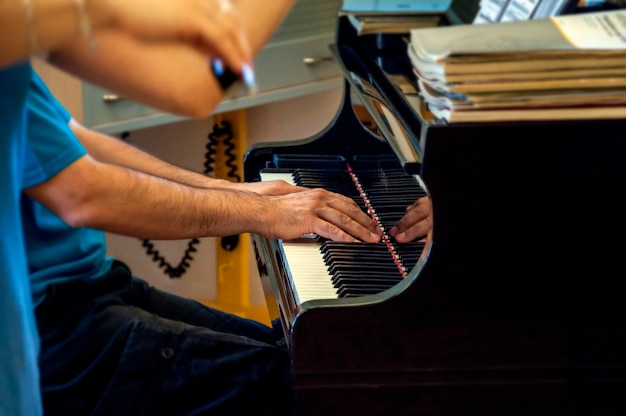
(233, 285)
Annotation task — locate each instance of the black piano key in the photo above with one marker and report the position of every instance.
(410, 253)
(354, 278)
(364, 269)
(356, 258)
(360, 269)
(357, 269)
(385, 280)
(338, 181)
(354, 291)
(354, 247)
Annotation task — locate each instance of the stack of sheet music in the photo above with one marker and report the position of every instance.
(390, 16)
(568, 67)
(396, 23)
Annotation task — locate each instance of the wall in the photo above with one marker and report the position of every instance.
(183, 144)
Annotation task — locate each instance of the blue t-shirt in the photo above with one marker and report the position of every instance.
(19, 344)
(56, 252)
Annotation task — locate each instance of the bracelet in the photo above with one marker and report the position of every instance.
(84, 23)
(30, 26)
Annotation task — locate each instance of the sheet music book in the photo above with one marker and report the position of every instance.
(394, 6)
(571, 36)
(565, 67)
(393, 16)
(398, 24)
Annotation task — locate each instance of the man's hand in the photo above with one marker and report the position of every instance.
(321, 212)
(417, 222)
(274, 187)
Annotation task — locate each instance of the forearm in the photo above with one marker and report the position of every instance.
(262, 18)
(126, 202)
(171, 77)
(107, 149)
(113, 151)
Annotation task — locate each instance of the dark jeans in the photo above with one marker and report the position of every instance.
(116, 346)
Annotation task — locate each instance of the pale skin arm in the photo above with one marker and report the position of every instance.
(205, 25)
(169, 76)
(114, 198)
(261, 18)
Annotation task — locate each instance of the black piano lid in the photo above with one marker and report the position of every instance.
(393, 115)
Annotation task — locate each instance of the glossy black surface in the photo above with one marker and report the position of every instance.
(520, 308)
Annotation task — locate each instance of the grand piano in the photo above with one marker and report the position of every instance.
(515, 305)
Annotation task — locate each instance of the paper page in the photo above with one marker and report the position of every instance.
(490, 11)
(519, 10)
(603, 30)
(552, 8)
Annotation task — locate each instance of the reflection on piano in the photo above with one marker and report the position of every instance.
(516, 306)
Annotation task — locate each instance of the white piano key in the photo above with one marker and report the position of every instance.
(272, 176)
(309, 273)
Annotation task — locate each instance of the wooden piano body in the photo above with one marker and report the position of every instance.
(520, 305)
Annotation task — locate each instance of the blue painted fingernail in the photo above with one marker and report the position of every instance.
(218, 67)
(248, 76)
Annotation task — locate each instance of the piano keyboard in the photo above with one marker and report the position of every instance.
(324, 269)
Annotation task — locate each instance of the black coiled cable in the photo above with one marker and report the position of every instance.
(225, 131)
(168, 269)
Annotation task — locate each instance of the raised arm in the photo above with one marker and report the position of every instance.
(209, 26)
(171, 77)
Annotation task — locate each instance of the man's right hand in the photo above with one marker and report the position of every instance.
(317, 211)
